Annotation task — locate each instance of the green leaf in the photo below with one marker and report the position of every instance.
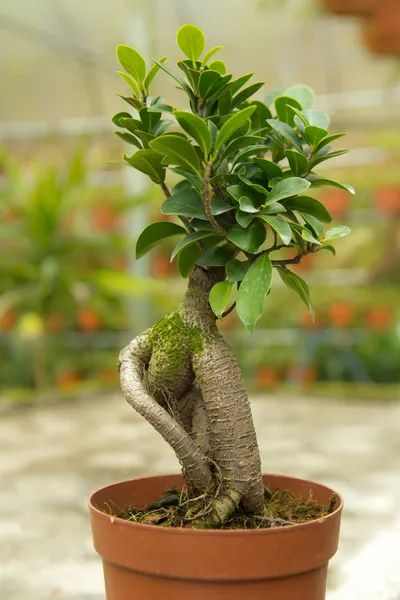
(179, 151)
(129, 138)
(218, 206)
(287, 188)
(155, 233)
(160, 107)
(328, 248)
(281, 227)
(328, 140)
(244, 219)
(319, 159)
(273, 209)
(218, 256)
(219, 297)
(246, 152)
(153, 72)
(249, 238)
(238, 83)
(231, 125)
(197, 128)
(162, 126)
(209, 54)
(286, 132)
(192, 238)
(219, 66)
(148, 162)
(236, 270)
(246, 205)
(253, 289)
(134, 125)
(298, 162)
(254, 186)
(246, 93)
(314, 223)
(260, 115)
(187, 260)
(187, 203)
(149, 119)
(180, 80)
(284, 113)
(314, 135)
(336, 232)
(190, 40)
(132, 62)
(319, 181)
(309, 237)
(269, 168)
(236, 192)
(206, 82)
(131, 82)
(224, 103)
(302, 93)
(116, 119)
(310, 206)
(317, 118)
(298, 285)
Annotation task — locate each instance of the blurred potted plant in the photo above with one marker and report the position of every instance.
(238, 203)
(351, 7)
(44, 285)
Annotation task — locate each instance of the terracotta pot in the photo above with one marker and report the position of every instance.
(382, 33)
(144, 562)
(350, 7)
(388, 199)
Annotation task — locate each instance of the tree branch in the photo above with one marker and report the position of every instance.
(132, 361)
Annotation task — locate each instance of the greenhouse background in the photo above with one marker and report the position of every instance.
(58, 68)
(325, 393)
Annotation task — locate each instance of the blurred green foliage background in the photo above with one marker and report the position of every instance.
(71, 293)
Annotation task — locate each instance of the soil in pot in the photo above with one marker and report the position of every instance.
(176, 508)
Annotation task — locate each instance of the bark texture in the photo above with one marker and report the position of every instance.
(183, 377)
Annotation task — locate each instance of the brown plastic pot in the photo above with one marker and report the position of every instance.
(350, 7)
(144, 562)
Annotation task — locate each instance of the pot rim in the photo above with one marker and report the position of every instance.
(220, 532)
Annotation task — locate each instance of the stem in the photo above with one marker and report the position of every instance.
(207, 195)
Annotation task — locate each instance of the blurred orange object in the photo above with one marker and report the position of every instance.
(8, 320)
(266, 377)
(54, 322)
(105, 218)
(379, 318)
(304, 374)
(108, 376)
(341, 314)
(161, 266)
(388, 199)
(350, 7)
(336, 201)
(382, 32)
(88, 319)
(68, 379)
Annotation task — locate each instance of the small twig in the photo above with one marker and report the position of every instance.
(229, 310)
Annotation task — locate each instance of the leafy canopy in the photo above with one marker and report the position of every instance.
(245, 167)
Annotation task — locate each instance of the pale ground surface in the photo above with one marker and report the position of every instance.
(52, 457)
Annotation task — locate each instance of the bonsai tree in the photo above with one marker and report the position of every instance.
(243, 174)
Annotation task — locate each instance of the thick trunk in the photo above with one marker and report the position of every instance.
(189, 372)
